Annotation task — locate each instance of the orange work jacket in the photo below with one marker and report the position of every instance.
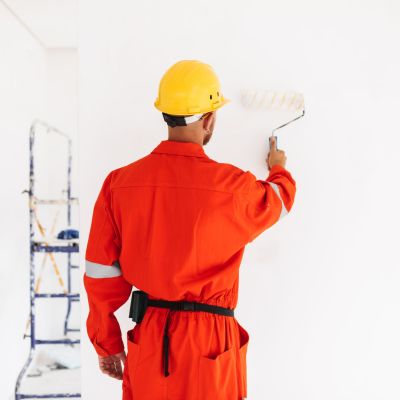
(175, 224)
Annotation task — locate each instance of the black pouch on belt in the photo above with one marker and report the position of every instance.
(139, 302)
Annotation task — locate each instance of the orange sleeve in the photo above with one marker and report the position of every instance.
(261, 203)
(106, 288)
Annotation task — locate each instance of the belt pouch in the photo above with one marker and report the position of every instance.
(139, 302)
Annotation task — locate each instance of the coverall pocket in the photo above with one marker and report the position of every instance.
(242, 370)
(217, 376)
(133, 355)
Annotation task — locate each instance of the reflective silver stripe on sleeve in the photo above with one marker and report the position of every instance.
(94, 270)
(275, 187)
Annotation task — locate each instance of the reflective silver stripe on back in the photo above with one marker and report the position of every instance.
(94, 270)
(275, 187)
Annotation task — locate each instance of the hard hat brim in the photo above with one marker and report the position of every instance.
(220, 104)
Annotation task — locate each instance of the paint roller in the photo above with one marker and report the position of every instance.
(283, 103)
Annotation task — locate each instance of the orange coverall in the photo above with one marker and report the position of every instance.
(175, 224)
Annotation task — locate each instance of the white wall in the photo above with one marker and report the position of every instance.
(34, 83)
(319, 292)
(21, 100)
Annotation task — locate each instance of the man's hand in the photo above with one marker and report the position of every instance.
(275, 156)
(112, 365)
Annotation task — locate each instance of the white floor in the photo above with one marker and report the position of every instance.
(53, 382)
(53, 370)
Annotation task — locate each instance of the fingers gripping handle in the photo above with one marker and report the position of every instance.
(273, 142)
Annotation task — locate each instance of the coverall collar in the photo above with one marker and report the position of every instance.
(180, 148)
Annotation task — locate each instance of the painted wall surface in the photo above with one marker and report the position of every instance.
(21, 100)
(319, 291)
(34, 83)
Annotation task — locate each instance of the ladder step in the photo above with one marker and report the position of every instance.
(73, 330)
(72, 296)
(75, 299)
(47, 396)
(43, 248)
(75, 266)
(73, 200)
(57, 341)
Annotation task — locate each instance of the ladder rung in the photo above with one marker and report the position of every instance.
(52, 295)
(73, 330)
(47, 396)
(57, 341)
(43, 248)
(73, 200)
(75, 299)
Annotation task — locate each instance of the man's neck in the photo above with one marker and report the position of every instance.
(188, 136)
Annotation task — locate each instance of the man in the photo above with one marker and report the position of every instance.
(174, 224)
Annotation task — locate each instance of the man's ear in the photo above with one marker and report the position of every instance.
(207, 120)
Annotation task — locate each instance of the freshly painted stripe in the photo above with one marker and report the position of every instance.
(275, 187)
(94, 270)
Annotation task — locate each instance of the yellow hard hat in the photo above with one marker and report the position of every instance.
(189, 87)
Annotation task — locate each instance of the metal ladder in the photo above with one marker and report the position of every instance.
(66, 246)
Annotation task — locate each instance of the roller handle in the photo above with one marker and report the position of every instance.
(276, 140)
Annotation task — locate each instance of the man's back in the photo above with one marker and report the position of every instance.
(174, 224)
(180, 239)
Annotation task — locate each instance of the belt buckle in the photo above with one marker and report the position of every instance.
(187, 306)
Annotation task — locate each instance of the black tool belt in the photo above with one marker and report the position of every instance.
(140, 302)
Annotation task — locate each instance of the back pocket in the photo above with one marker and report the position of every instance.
(242, 370)
(218, 377)
(133, 355)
